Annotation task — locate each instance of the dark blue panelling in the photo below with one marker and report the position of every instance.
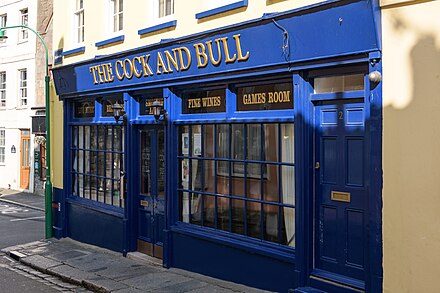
(58, 212)
(94, 227)
(231, 264)
(110, 41)
(355, 238)
(346, 27)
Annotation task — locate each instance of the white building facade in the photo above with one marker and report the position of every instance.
(17, 95)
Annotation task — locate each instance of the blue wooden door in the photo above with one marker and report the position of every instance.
(340, 191)
(151, 196)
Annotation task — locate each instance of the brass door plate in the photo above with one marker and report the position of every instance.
(144, 203)
(340, 196)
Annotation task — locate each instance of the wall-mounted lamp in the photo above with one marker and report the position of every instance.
(158, 110)
(118, 112)
(375, 76)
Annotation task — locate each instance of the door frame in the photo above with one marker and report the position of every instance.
(26, 137)
(304, 131)
(133, 156)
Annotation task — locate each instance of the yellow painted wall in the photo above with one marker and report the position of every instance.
(56, 145)
(411, 160)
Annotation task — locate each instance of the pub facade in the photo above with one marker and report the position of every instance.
(251, 152)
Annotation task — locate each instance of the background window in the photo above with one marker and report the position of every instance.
(79, 21)
(166, 7)
(97, 154)
(117, 8)
(2, 146)
(3, 19)
(2, 89)
(23, 21)
(239, 178)
(22, 90)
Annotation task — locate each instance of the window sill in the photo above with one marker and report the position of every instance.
(281, 252)
(79, 50)
(110, 42)
(222, 9)
(162, 26)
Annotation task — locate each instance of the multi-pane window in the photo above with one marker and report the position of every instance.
(2, 89)
(3, 19)
(79, 21)
(97, 155)
(166, 7)
(22, 87)
(117, 12)
(23, 21)
(2, 146)
(239, 178)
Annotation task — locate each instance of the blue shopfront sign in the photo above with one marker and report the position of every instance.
(275, 40)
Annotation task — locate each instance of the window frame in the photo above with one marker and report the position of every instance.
(3, 23)
(114, 20)
(2, 146)
(2, 89)
(22, 88)
(23, 35)
(78, 22)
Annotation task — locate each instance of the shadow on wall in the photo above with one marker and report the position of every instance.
(412, 174)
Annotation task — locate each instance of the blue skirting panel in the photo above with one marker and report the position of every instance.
(94, 227)
(231, 264)
(57, 212)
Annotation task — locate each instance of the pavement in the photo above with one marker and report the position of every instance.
(102, 270)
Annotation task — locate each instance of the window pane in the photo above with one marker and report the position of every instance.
(288, 184)
(254, 219)
(254, 142)
(209, 176)
(184, 202)
(238, 216)
(340, 83)
(196, 208)
(270, 144)
(209, 211)
(271, 183)
(288, 218)
(208, 140)
(223, 213)
(287, 143)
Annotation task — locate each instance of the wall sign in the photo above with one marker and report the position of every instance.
(145, 105)
(84, 109)
(265, 97)
(204, 102)
(107, 104)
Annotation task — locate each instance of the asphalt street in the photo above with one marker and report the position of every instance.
(20, 224)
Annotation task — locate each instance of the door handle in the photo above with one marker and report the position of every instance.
(317, 165)
(121, 185)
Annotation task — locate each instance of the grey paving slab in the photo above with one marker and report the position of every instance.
(155, 281)
(186, 286)
(92, 262)
(39, 262)
(129, 290)
(212, 289)
(103, 284)
(70, 274)
(119, 273)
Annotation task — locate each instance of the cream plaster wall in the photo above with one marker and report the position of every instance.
(411, 141)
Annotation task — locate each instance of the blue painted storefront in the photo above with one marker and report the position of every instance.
(337, 146)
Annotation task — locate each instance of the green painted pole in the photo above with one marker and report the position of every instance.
(48, 187)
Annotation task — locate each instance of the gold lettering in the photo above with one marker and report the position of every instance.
(183, 66)
(101, 74)
(92, 70)
(146, 67)
(172, 60)
(109, 70)
(201, 53)
(239, 52)
(194, 103)
(225, 48)
(118, 75)
(161, 64)
(211, 56)
(128, 74)
(136, 72)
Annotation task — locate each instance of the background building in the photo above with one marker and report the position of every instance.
(17, 94)
(331, 189)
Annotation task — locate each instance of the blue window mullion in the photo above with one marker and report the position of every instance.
(113, 163)
(97, 161)
(202, 175)
(261, 183)
(190, 194)
(105, 165)
(121, 160)
(215, 177)
(84, 159)
(280, 208)
(245, 179)
(230, 174)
